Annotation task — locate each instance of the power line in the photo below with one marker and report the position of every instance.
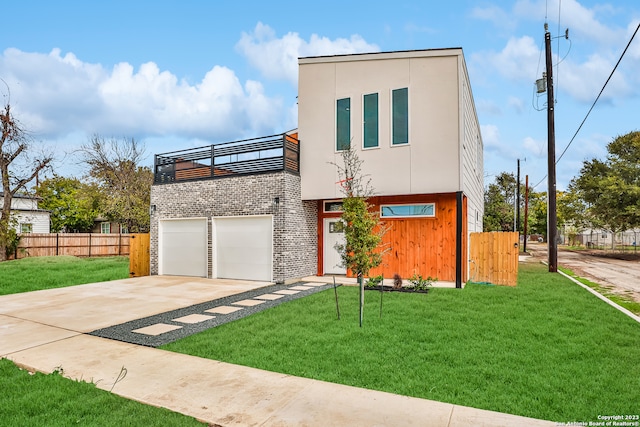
(594, 102)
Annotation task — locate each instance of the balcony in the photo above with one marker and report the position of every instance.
(246, 157)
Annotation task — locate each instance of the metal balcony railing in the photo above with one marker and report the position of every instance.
(249, 156)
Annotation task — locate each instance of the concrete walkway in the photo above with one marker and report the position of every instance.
(46, 330)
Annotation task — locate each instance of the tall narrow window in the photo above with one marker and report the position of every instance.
(371, 120)
(343, 124)
(400, 111)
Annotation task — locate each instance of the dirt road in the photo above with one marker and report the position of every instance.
(619, 276)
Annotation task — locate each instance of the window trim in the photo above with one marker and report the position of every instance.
(392, 124)
(29, 225)
(102, 224)
(377, 117)
(336, 116)
(407, 216)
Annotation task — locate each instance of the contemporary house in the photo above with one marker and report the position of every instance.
(26, 215)
(268, 208)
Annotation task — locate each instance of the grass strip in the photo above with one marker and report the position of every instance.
(30, 399)
(37, 273)
(544, 349)
(622, 301)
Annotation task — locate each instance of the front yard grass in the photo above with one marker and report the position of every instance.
(52, 400)
(34, 274)
(545, 349)
(621, 300)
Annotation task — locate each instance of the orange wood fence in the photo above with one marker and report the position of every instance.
(139, 255)
(75, 244)
(494, 258)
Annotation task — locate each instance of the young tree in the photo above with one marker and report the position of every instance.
(499, 200)
(17, 169)
(124, 184)
(362, 226)
(73, 204)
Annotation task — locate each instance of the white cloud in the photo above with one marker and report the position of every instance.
(494, 14)
(517, 61)
(488, 106)
(277, 58)
(490, 137)
(536, 148)
(516, 104)
(55, 95)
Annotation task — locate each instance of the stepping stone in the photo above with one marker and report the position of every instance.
(194, 318)
(269, 297)
(157, 329)
(249, 302)
(301, 288)
(223, 309)
(287, 292)
(314, 284)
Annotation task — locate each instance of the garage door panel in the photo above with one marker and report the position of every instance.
(244, 248)
(183, 247)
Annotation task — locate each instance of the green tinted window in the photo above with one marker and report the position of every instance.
(371, 120)
(343, 124)
(400, 109)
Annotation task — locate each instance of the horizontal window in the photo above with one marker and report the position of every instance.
(410, 211)
(335, 206)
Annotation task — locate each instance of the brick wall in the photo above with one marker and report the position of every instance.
(294, 234)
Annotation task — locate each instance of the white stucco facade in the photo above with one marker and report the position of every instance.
(444, 153)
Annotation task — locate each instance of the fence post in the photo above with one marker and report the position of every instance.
(57, 243)
(120, 243)
(90, 245)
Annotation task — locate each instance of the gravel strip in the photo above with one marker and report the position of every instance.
(124, 331)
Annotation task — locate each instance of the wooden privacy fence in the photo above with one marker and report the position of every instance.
(75, 244)
(494, 258)
(139, 255)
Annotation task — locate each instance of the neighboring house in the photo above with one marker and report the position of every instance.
(28, 218)
(267, 209)
(103, 226)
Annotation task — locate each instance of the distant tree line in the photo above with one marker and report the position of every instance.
(605, 195)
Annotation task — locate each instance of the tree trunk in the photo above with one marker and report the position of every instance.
(361, 286)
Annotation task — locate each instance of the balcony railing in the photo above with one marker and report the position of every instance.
(249, 156)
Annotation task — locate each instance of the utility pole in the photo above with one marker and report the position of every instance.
(518, 199)
(526, 210)
(552, 220)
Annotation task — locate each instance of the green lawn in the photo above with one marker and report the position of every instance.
(32, 274)
(52, 400)
(545, 349)
(622, 300)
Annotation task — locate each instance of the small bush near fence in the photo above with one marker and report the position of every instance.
(75, 244)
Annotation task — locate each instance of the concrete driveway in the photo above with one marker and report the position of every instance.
(45, 331)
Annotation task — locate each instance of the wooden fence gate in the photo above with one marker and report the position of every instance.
(139, 255)
(494, 258)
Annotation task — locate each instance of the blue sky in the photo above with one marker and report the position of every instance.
(177, 74)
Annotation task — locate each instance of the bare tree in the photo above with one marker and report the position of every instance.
(17, 168)
(114, 164)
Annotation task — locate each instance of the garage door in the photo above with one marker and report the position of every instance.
(243, 247)
(183, 247)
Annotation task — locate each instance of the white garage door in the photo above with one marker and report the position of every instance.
(243, 247)
(183, 247)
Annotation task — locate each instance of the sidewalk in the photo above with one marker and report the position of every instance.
(46, 330)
